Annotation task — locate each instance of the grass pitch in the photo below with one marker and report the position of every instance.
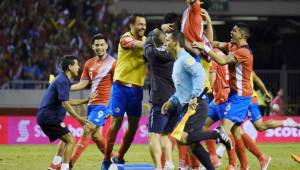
(38, 157)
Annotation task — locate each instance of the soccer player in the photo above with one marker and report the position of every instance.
(240, 60)
(192, 26)
(219, 80)
(127, 89)
(99, 71)
(255, 115)
(52, 112)
(188, 77)
(162, 87)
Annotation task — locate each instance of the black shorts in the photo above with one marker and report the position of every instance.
(197, 121)
(54, 131)
(161, 123)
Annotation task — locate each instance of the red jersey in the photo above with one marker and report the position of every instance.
(240, 72)
(192, 23)
(221, 86)
(100, 73)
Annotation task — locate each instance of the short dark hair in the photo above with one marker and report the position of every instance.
(244, 28)
(179, 37)
(132, 17)
(206, 4)
(98, 36)
(66, 61)
(156, 37)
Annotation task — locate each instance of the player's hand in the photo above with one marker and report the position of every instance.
(206, 16)
(198, 45)
(167, 27)
(166, 106)
(193, 104)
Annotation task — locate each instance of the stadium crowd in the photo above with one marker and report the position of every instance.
(34, 34)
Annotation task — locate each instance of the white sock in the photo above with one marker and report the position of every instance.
(169, 165)
(57, 160)
(220, 150)
(65, 166)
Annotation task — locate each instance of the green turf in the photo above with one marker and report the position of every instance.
(37, 157)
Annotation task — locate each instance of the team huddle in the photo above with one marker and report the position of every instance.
(195, 81)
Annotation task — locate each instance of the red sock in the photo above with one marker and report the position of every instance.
(126, 142)
(109, 144)
(211, 147)
(241, 152)
(81, 145)
(252, 147)
(101, 145)
(194, 161)
(231, 153)
(182, 152)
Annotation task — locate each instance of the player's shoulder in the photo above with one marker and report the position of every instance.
(61, 78)
(111, 58)
(127, 35)
(90, 61)
(245, 51)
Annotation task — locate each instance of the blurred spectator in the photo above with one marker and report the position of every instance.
(35, 34)
(277, 105)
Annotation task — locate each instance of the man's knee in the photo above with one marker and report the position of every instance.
(69, 139)
(133, 123)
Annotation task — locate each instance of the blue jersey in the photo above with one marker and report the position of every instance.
(188, 77)
(51, 110)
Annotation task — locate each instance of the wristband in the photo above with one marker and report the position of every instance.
(207, 49)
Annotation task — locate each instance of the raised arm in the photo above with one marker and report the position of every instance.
(261, 85)
(219, 45)
(209, 28)
(220, 59)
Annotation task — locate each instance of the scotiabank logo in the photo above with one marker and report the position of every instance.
(23, 131)
(284, 132)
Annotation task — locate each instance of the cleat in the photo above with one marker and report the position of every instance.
(115, 160)
(71, 165)
(296, 158)
(291, 123)
(105, 164)
(54, 166)
(264, 162)
(224, 138)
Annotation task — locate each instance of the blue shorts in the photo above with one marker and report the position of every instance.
(254, 112)
(126, 99)
(237, 107)
(97, 114)
(157, 121)
(216, 111)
